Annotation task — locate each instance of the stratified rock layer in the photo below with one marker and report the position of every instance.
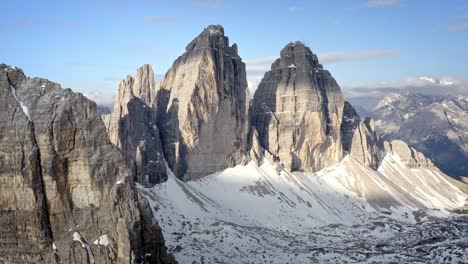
(66, 194)
(202, 107)
(359, 138)
(132, 127)
(298, 110)
(408, 155)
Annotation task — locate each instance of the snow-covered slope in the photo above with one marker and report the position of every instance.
(348, 212)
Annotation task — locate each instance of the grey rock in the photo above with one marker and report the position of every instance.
(359, 138)
(132, 127)
(202, 107)
(63, 184)
(432, 124)
(298, 110)
(408, 155)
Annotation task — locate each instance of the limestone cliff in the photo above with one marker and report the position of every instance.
(66, 194)
(408, 155)
(359, 138)
(132, 127)
(202, 107)
(298, 110)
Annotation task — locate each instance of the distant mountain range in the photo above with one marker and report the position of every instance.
(436, 125)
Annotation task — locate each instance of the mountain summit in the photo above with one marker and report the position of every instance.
(202, 107)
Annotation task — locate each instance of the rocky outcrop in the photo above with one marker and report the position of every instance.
(202, 107)
(408, 155)
(435, 125)
(359, 138)
(132, 127)
(66, 194)
(298, 110)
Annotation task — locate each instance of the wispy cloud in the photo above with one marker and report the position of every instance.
(463, 27)
(140, 50)
(334, 57)
(79, 64)
(462, 17)
(165, 20)
(295, 8)
(257, 67)
(43, 22)
(102, 99)
(205, 3)
(382, 3)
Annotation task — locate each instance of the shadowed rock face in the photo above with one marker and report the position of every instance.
(359, 138)
(66, 194)
(202, 107)
(297, 111)
(132, 127)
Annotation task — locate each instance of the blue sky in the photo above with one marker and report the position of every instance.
(90, 45)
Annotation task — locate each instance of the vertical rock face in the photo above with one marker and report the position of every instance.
(359, 138)
(66, 194)
(202, 107)
(132, 127)
(297, 111)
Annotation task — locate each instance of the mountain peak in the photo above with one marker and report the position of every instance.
(296, 54)
(211, 37)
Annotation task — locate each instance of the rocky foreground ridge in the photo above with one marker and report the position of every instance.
(66, 194)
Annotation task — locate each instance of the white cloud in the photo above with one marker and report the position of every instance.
(103, 99)
(382, 3)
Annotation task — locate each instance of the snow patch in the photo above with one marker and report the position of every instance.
(23, 106)
(77, 237)
(214, 31)
(102, 240)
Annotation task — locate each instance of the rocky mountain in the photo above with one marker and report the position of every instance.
(298, 110)
(132, 127)
(66, 194)
(202, 107)
(294, 176)
(434, 125)
(302, 119)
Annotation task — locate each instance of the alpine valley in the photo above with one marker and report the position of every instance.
(194, 169)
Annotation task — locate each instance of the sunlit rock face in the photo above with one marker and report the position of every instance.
(298, 110)
(66, 194)
(132, 127)
(202, 107)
